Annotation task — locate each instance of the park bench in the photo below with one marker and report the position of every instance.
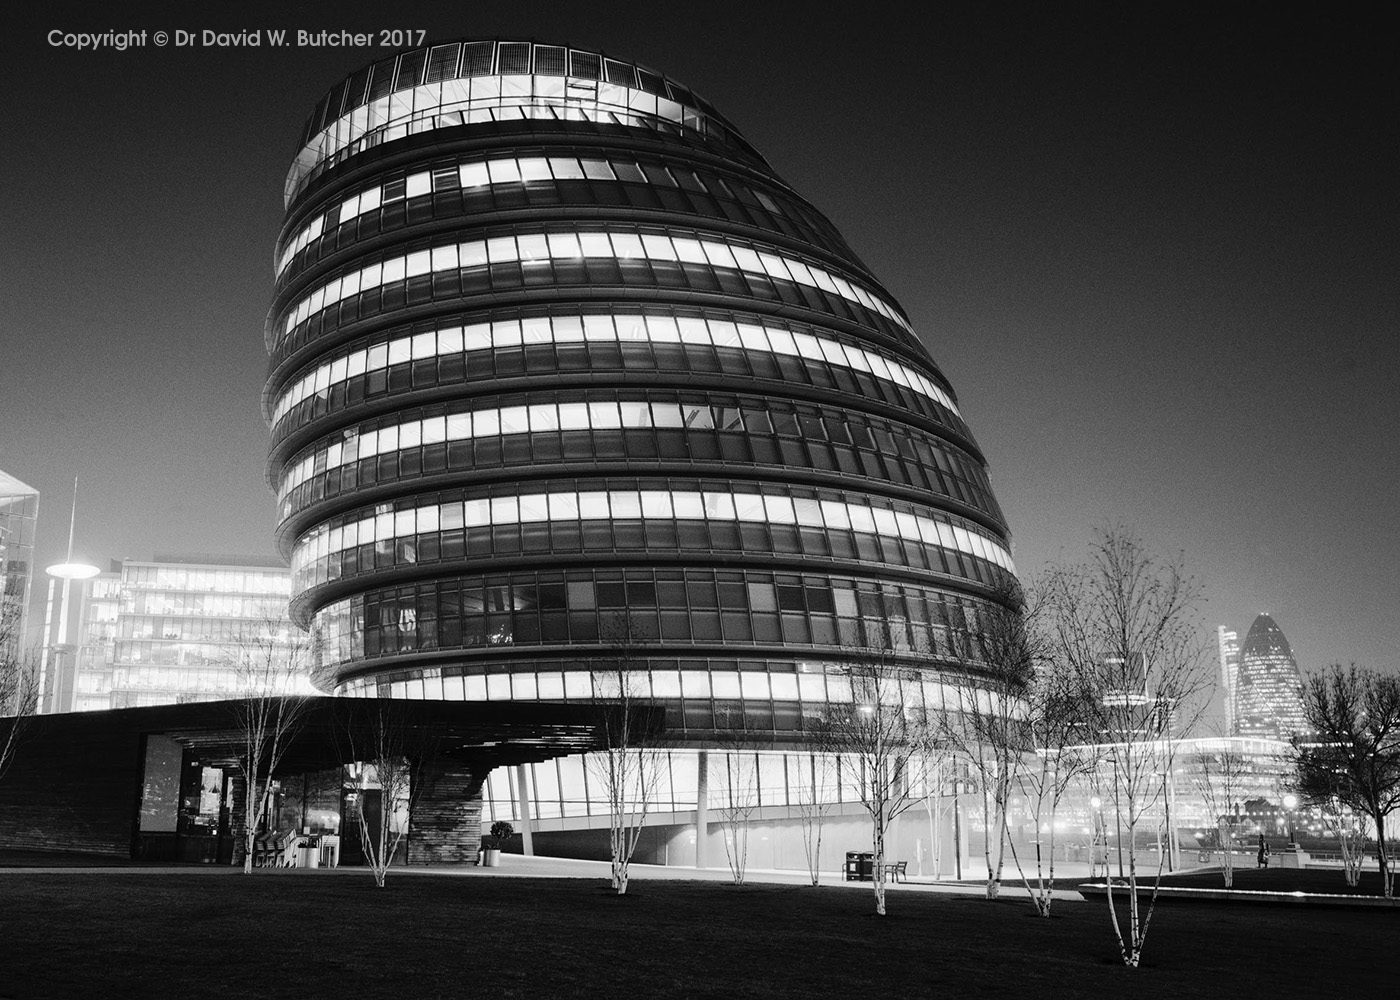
(897, 871)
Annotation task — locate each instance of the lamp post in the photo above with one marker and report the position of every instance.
(58, 665)
(1290, 802)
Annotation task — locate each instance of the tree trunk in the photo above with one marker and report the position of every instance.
(1382, 862)
(1047, 887)
(878, 873)
(994, 878)
(987, 800)
(250, 824)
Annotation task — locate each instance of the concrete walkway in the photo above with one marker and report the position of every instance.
(519, 866)
(515, 865)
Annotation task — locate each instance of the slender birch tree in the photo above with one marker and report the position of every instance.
(815, 792)
(1126, 626)
(884, 742)
(270, 662)
(734, 776)
(630, 763)
(1058, 760)
(987, 729)
(1220, 782)
(391, 755)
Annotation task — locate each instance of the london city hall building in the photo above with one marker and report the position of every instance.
(559, 365)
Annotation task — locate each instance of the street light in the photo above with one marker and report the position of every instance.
(1098, 847)
(1290, 802)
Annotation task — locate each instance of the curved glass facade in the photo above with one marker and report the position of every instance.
(1268, 688)
(553, 349)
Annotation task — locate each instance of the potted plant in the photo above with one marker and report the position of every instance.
(491, 843)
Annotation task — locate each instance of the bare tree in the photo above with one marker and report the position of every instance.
(1018, 729)
(19, 683)
(884, 743)
(1220, 781)
(987, 730)
(628, 767)
(737, 767)
(391, 755)
(1350, 829)
(270, 662)
(1353, 754)
(815, 792)
(1125, 626)
(1057, 759)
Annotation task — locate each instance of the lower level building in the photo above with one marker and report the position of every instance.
(162, 784)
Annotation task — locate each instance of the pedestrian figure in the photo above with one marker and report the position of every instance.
(1263, 852)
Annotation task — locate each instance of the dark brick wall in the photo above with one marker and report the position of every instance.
(72, 788)
(445, 827)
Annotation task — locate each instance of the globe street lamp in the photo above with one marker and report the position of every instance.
(1290, 802)
(1098, 848)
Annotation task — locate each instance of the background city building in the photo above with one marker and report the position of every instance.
(96, 636)
(19, 511)
(167, 630)
(563, 375)
(1269, 691)
(1227, 642)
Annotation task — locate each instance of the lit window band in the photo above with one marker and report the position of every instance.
(604, 505)
(625, 328)
(570, 245)
(809, 685)
(484, 99)
(534, 418)
(485, 173)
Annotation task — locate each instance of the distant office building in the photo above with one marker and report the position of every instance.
(167, 630)
(1211, 777)
(1269, 692)
(1228, 644)
(19, 509)
(95, 632)
(1215, 776)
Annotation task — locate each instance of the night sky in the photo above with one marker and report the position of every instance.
(1154, 249)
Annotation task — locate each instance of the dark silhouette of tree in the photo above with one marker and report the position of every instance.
(1352, 757)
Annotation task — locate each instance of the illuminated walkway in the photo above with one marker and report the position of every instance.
(518, 866)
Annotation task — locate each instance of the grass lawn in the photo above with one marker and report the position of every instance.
(308, 934)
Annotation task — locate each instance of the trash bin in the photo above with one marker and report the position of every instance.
(860, 866)
(308, 857)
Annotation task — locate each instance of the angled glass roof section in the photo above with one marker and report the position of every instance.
(464, 83)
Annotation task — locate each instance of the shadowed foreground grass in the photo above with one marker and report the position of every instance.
(302, 934)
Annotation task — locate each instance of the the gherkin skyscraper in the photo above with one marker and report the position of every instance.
(1268, 689)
